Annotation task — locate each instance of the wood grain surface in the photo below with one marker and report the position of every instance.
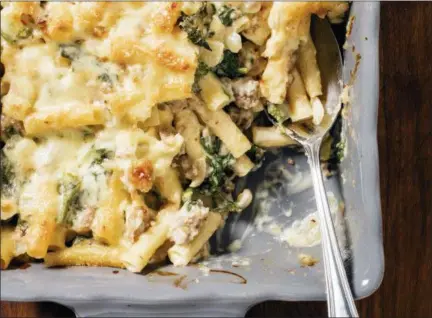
(405, 145)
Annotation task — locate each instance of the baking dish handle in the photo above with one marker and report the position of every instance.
(112, 309)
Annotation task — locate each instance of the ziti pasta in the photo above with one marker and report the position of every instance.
(125, 124)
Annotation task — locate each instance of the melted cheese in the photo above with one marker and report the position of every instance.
(161, 63)
(86, 81)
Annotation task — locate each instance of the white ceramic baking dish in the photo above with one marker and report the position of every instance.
(268, 269)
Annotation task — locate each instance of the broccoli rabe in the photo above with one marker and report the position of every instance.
(201, 71)
(227, 15)
(223, 204)
(219, 201)
(69, 189)
(213, 191)
(230, 66)
(197, 26)
(218, 163)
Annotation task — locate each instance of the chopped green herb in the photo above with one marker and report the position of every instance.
(69, 190)
(230, 66)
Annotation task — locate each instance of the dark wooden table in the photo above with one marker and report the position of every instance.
(405, 144)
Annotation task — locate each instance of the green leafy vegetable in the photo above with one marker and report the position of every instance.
(100, 155)
(70, 51)
(202, 70)
(69, 190)
(230, 66)
(227, 15)
(277, 113)
(197, 26)
(224, 204)
(218, 163)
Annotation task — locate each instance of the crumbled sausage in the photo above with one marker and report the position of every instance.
(189, 220)
(138, 220)
(247, 93)
(243, 118)
(185, 166)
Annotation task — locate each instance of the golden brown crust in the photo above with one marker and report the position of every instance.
(166, 17)
(141, 176)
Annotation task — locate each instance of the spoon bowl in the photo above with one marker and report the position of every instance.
(340, 301)
(329, 60)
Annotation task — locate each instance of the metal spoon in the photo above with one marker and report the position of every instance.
(339, 297)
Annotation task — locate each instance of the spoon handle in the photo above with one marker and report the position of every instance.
(340, 301)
